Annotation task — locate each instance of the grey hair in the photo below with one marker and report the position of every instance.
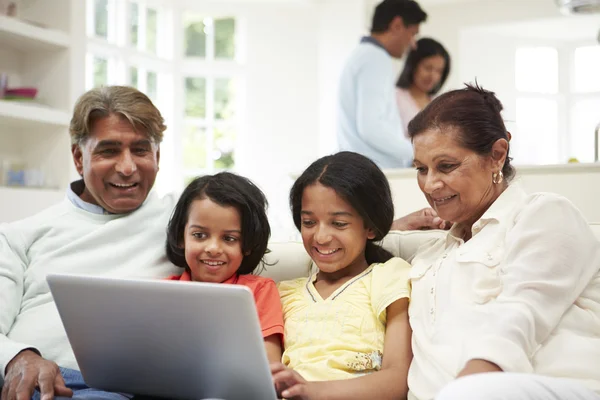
(124, 101)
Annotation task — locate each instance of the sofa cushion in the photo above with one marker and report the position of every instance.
(290, 260)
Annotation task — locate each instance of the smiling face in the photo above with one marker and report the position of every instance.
(456, 181)
(333, 233)
(118, 164)
(213, 241)
(429, 73)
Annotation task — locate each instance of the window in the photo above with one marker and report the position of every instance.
(557, 119)
(131, 42)
(536, 80)
(587, 65)
(210, 97)
(537, 70)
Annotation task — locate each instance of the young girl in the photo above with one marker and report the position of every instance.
(219, 233)
(350, 318)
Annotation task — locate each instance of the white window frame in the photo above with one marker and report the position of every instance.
(566, 97)
(172, 69)
(210, 69)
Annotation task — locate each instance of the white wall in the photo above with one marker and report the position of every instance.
(446, 21)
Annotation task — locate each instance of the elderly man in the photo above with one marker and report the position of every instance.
(109, 224)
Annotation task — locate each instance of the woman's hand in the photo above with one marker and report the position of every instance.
(290, 385)
(423, 219)
(477, 367)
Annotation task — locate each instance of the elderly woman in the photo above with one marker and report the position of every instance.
(514, 287)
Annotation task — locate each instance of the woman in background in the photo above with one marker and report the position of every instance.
(424, 73)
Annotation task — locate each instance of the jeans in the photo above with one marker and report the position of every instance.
(81, 391)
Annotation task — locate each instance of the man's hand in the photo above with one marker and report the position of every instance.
(423, 219)
(478, 367)
(290, 385)
(29, 370)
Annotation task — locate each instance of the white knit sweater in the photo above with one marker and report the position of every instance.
(66, 239)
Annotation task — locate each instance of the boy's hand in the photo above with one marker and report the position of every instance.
(290, 385)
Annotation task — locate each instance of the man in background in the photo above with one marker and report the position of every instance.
(368, 118)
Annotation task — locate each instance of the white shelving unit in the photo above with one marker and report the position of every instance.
(24, 36)
(42, 47)
(31, 116)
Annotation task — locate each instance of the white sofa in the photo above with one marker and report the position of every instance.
(291, 261)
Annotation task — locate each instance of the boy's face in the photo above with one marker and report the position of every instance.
(405, 37)
(213, 241)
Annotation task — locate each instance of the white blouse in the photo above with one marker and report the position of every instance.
(523, 293)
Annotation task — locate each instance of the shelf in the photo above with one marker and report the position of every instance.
(27, 37)
(29, 115)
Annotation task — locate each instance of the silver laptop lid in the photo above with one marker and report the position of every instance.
(184, 340)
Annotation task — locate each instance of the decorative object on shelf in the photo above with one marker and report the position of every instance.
(15, 172)
(8, 8)
(22, 93)
(3, 84)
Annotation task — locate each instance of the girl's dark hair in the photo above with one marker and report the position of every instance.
(426, 47)
(359, 182)
(225, 189)
(474, 112)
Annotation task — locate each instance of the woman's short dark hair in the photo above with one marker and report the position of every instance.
(385, 12)
(476, 115)
(225, 189)
(426, 47)
(361, 183)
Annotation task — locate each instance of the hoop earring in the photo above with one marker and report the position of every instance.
(497, 177)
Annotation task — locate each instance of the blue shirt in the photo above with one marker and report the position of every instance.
(368, 118)
(79, 186)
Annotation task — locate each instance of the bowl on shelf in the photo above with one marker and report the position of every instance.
(22, 93)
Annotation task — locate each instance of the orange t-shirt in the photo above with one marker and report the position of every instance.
(266, 298)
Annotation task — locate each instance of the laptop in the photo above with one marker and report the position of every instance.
(176, 340)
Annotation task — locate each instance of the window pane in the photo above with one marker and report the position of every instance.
(537, 136)
(133, 76)
(101, 18)
(151, 85)
(135, 24)
(195, 97)
(536, 69)
(100, 71)
(224, 98)
(224, 145)
(225, 38)
(587, 67)
(194, 148)
(195, 37)
(585, 116)
(151, 28)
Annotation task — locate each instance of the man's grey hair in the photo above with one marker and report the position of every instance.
(123, 101)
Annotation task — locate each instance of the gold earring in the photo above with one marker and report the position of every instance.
(497, 177)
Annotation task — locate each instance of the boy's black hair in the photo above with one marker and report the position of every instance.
(361, 183)
(225, 189)
(410, 11)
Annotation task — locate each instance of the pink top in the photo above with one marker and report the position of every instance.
(407, 106)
